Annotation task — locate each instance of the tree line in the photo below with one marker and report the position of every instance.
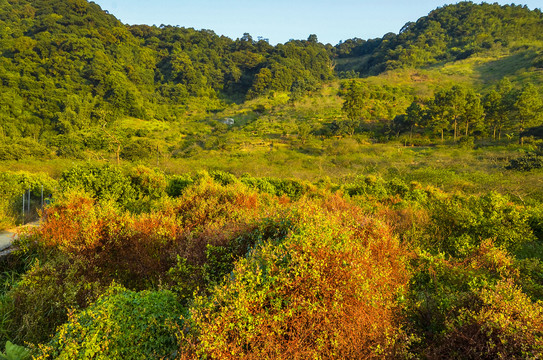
(459, 111)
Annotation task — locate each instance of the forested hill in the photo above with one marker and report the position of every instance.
(66, 65)
(449, 33)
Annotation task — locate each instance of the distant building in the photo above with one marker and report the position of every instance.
(228, 121)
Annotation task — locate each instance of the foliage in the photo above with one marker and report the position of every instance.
(319, 292)
(15, 352)
(449, 33)
(507, 325)
(70, 68)
(134, 189)
(12, 187)
(526, 163)
(121, 324)
(458, 224)
(406, 247)
(272, 267)
(39, 301)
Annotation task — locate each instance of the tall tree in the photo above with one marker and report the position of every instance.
(454, 103)
(473, 111)
(499, 106)
(352, 107)
(529, 107)
(414, 116)
(437, 116)
(493, 116)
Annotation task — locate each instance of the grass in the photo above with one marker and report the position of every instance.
(449, 167)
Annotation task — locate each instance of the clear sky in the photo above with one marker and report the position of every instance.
(281, 20)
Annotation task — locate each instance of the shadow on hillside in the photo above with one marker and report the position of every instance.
(511, 66)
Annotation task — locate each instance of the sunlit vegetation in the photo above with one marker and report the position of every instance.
(249, 267)
(201, 197)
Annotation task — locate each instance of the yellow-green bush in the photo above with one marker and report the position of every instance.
(121, 324)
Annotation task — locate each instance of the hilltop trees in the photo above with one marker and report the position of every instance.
(63, 63)
(449, 33)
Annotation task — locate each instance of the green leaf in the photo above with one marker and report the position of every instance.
(15, 352)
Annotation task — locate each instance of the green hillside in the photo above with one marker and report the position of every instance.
(68, 66)
(448, 34)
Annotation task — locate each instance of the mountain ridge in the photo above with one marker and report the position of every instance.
(68, 66)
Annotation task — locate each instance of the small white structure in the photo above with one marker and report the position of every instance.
(228, 121)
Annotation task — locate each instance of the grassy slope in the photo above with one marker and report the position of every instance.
(266, 143)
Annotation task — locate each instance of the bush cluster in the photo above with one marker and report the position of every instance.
(215, 266)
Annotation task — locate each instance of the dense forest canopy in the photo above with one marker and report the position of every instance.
(67, 65)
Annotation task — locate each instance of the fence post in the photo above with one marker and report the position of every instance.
(24, 196)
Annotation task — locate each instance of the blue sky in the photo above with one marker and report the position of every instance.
(280, 20)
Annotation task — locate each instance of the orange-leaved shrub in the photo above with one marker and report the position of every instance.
(185, 245)
(328, 288)
(138, 250)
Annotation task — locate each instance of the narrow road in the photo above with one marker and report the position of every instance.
(7, 236)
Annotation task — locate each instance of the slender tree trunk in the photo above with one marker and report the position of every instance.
(467, 128)
(455, 126)
(441, 135)
(118, 151)
(494, 134)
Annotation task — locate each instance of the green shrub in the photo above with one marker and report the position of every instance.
(293, 189)
(177, 184)
(505, 325)
(223, 178)
(23, 148)
(526, 163)
(440, 287)
(149, 188)
(535, 214)
(458, 223)
(139, 149)
(121, 324)
(12, 187)
(39, 302)
(101, 182)
(258, 184)
(15, 352)
(368, 186)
